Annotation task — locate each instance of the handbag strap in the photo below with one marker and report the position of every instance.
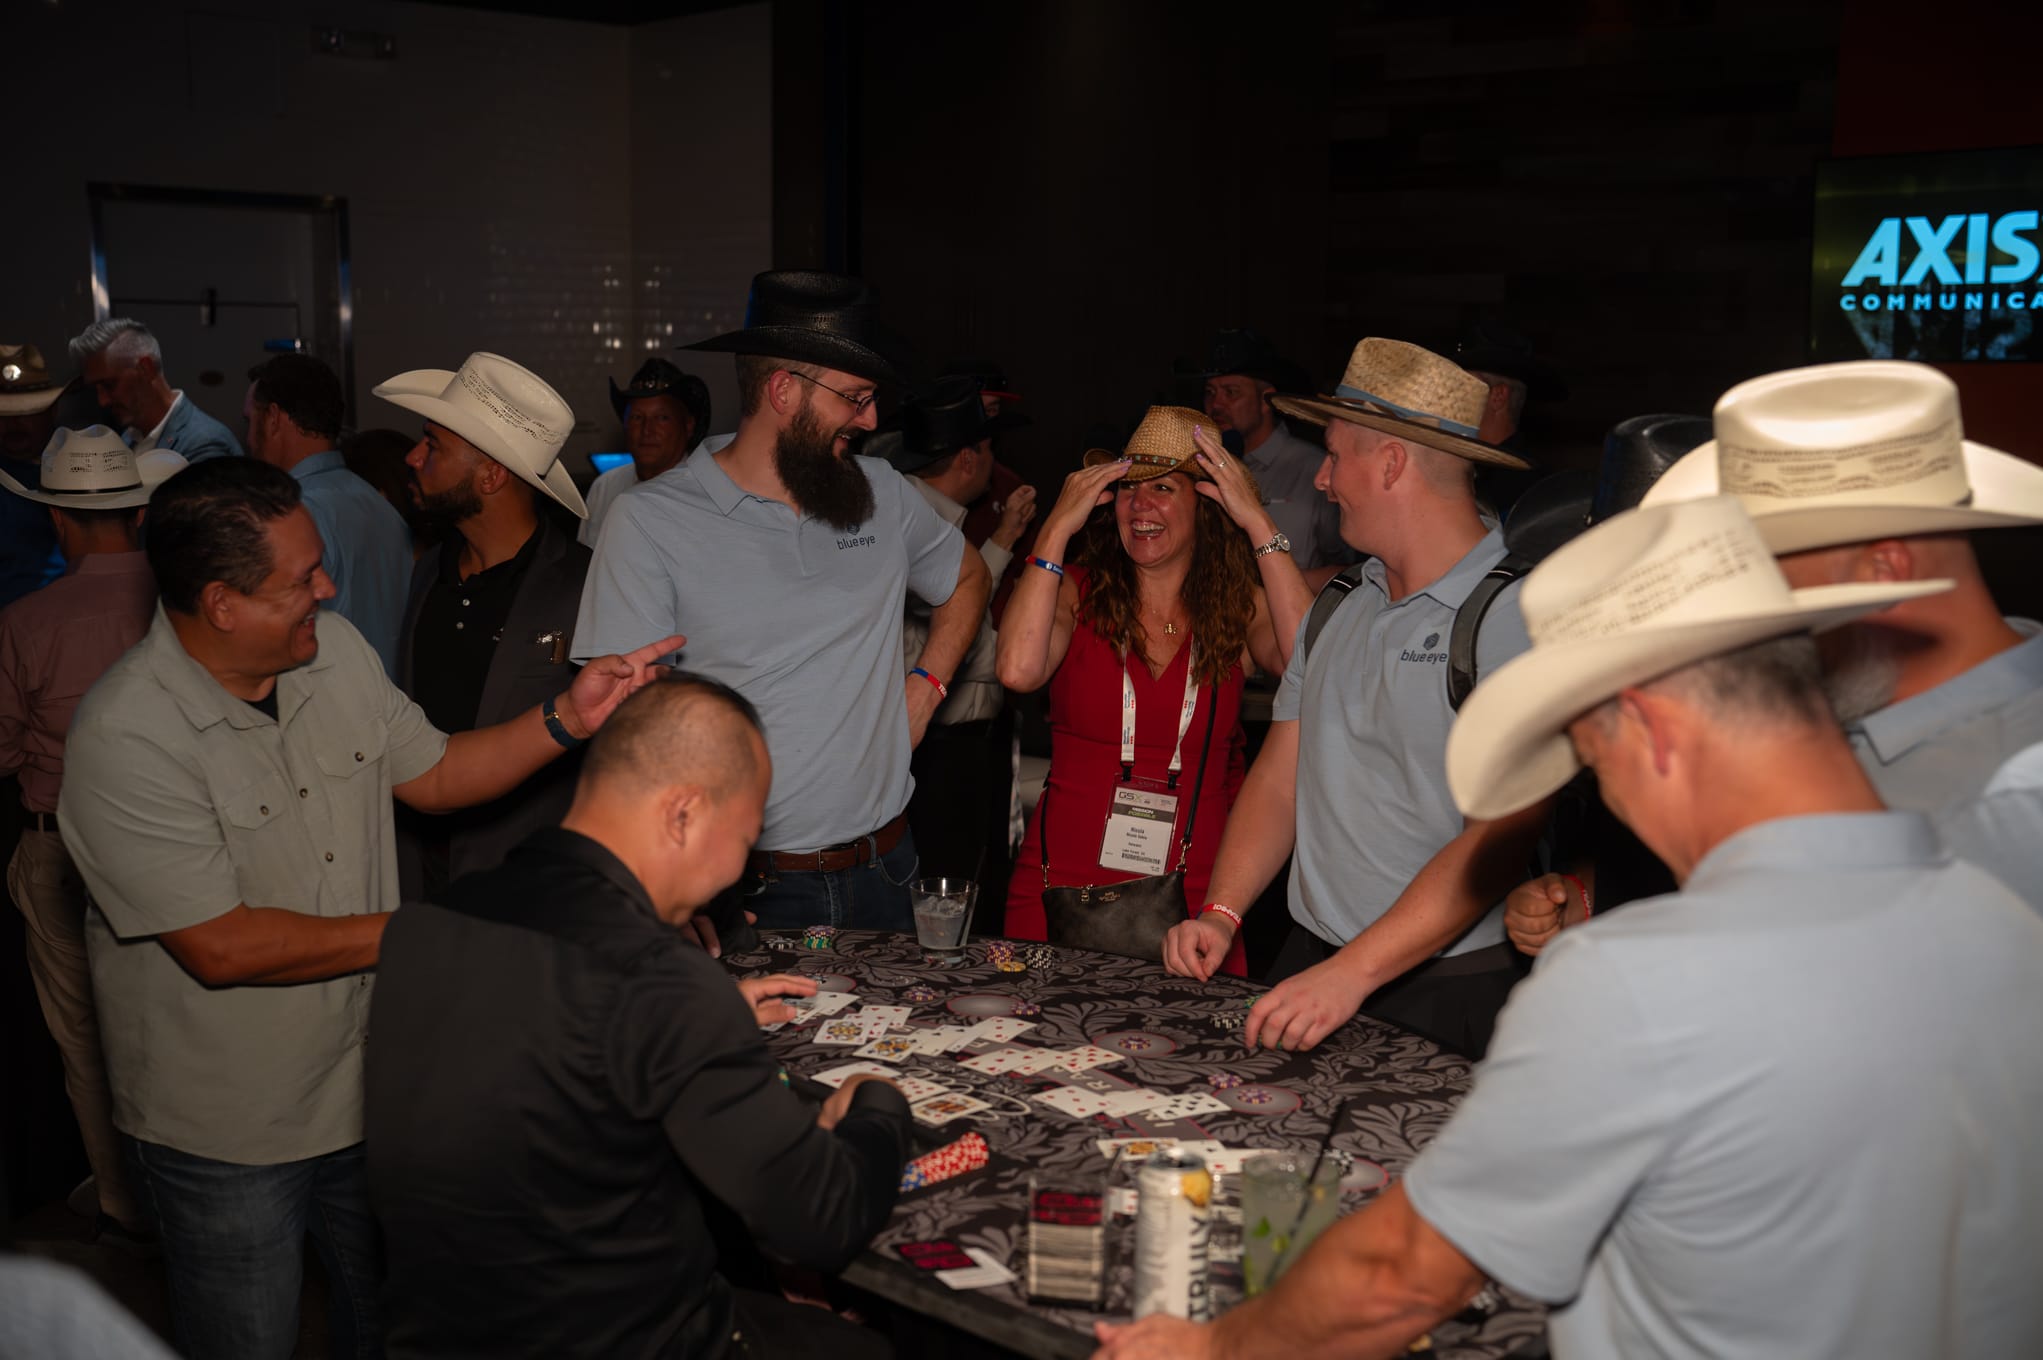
(1191, 813)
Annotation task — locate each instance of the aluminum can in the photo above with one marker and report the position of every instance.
(1172, 1226)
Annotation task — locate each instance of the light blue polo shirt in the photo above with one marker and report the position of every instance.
(1938, 749)
(368, 550)
(802, 618)
(1371, 703)
(2002, 830)
(1793, 1110)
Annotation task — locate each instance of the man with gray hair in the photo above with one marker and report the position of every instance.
(122, 362)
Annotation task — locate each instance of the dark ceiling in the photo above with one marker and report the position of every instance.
(598, 11)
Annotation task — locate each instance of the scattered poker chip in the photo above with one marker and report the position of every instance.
(1231, 1020)
(1039, 956)
(997, 950)
(1011, 965)
(1027, 1008)
(1224, 1081)
(782, 942)
(921, 991)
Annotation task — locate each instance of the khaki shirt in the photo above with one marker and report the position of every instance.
(181, 801)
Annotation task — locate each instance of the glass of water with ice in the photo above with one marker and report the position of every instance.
(943, 917)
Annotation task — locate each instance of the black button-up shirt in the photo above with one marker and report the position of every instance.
(556, 1082)
(459, 625)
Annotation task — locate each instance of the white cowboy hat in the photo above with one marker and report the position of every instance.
(504, 409)
(1847, 453)
(1410, 392)
(92, 469)
(1642, 594)
(26, 387)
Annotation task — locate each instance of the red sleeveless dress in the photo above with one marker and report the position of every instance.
(1085, 765)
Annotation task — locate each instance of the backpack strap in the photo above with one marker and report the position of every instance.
(1468, 623)
(1323, 606)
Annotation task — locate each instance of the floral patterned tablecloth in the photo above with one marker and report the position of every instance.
(1393, 1091)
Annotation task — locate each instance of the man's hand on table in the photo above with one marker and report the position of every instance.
(1303, 1009)
(762, 994)
(1196, 948)
(839, 1103)
(699, 929)
(1156, 1337)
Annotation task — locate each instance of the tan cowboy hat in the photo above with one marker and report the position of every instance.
(1642, 594)
(93, 469)
(1410, 392)
(504, 409)
(25, 383)
(1161, 444)
(1846, 453)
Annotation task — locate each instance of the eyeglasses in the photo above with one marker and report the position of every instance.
(858, 404)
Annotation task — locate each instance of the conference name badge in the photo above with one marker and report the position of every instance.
(1140, 823)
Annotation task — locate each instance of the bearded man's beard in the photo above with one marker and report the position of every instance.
(443, 511)
(1861, 669)
(833, 489)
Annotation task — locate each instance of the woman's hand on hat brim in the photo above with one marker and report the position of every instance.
(1084, 492)
(1229, 484)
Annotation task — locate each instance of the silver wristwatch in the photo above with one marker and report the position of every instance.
(1277, 544)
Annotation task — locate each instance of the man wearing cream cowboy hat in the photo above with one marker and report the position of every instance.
(1395, 900)
(1735, 1161)
(28, 416)
(54, 642)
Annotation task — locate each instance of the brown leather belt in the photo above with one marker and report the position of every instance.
(831, 858)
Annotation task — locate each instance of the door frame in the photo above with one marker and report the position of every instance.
(331, 206)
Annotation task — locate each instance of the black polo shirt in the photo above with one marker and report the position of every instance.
(557, 1084)
(459, 625)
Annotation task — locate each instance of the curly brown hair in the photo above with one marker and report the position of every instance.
(1219, 591)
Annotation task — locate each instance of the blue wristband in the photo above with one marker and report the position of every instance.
(1047, 565)
(557, 729)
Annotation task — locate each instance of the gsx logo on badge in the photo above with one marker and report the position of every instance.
(1425, 652)
(1934, 267)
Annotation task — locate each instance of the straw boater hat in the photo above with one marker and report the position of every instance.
(1846, 453)
(1410, 392)
(505, 410)
(94, 469)
(813, 318)
(1161, 444)
(1642, 594)
(25, 383)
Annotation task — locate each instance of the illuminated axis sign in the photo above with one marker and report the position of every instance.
(1937, 258)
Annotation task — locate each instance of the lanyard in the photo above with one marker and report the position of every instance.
(1184, 718)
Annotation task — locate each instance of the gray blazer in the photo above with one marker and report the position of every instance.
(521, 674)
(196, 435)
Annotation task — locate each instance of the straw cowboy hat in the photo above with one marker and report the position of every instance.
(1410, 392)
(25, 383)
(1162, 444)
(94, 469)
(1846, 453)
(809, 317)
(1642, 594)
(505, 410)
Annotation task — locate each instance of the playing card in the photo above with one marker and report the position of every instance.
(1092, 1055)
(988, 1272)
(997, 1060)
(1001, 1028)
(1036, 1060)
(888, 1048)
(1135, 1149)
(837, 1076)
(1122, 1103)
(940, 1038)
(894, 1015)
(915, 1089)
(1182, 1107)
(935, 1256)
(942, 1109)
(849, 1029)
(821, 1004)
(1071, 1100)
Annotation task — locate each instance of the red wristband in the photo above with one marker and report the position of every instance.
(1582, 888)
(941, 691)
(1229, 912)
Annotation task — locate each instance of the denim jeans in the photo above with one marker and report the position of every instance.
(873, 896)
(234, 1247)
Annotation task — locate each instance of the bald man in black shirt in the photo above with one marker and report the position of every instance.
(559, 1081)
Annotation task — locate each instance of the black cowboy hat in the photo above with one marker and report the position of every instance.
(992, 380)
(1637, 451)
(934, 423)
(1245, 352)
(1489, 346)
(658, 378)
(810, 317)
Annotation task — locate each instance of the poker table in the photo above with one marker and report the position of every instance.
(1391, 1090)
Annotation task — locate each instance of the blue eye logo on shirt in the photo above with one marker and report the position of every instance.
(1432, 641)
(1425, 653)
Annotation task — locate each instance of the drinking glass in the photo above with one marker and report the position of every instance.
(943, 917)
(1281, 1213)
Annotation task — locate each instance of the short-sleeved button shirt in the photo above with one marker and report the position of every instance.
(799, 616)
(2001, 831)
(1286, 467)
(1371, 701)
(1937, 749)
(368, 549)
(1792, 1111)
(180, 801)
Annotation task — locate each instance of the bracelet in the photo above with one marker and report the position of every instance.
(557, 729)
(1229, 912)
(1046, 564)
(1582, 888)
(940, 690)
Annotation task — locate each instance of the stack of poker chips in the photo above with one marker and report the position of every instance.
(782, 942)
(1039, 956)
(921, 991)
(819, 937)
(954, 1159)
(1027, 1008)
(1224, 1081)
(1001, 954)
